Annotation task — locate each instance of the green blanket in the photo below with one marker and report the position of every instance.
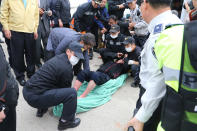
(97, 97)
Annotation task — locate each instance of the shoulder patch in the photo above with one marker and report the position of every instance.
(158, 29)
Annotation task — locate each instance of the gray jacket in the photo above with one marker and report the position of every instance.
(141, 27)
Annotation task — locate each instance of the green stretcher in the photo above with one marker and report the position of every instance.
(97, 97)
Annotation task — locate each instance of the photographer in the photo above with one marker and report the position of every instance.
(8, 96)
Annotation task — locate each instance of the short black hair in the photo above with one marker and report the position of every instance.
(159, 3)
(113, 17)
(88, 39)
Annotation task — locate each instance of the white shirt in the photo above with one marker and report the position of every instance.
(152, 79)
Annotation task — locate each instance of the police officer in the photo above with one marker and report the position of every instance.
(114, 45)
(8, 95)
(137, 24)
(180, 104)
(158, 15)
(51, 85)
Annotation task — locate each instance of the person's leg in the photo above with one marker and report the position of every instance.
(9, 123)
(30, 45)
(96, 78)
(135, 73)
(104, 52)
(17, 52)
(82, 76)
(38, 50)
(7, 41)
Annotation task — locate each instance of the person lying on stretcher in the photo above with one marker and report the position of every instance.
(107, 71)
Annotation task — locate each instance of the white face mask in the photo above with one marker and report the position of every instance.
(114, 36)
(74, 60)
(128, 49)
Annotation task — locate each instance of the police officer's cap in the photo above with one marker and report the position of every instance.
(114, 28)
(76, 47)
(129, 40)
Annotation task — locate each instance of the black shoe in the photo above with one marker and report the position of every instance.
(22, 82)
(134, 85)
(68, 124)
(41, 112)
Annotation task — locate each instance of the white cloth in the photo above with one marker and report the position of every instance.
(151, 77)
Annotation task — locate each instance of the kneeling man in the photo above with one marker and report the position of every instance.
(51, 85)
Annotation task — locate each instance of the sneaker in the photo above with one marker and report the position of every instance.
(41, 112)
(68, 124)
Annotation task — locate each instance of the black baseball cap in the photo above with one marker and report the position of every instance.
(114, 28)
(76, 47)
(129, 40)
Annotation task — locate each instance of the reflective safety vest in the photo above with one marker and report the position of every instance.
(179, 111)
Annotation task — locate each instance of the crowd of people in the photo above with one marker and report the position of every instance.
(48, 46)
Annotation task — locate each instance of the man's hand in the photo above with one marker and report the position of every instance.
(121, 6)
(120, 61)
(119, 55)
(41, 11)
(35, 35)
(49, 13)
(60, 23)
(137, 125)
(131, 25)
(103, 30)
(7, 34)
(2, 116)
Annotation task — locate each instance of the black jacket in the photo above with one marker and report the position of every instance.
(8, 86)
(135, 55)
(113, 8)
(115, 45)
(61, 10)
(84, 17)
(55, 73)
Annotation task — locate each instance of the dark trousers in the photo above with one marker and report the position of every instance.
(107, 55)
(9, 123)
(54, 97)
(152, 123)
(41, 51)
(98, 77)
(22, 43)
(135, 69)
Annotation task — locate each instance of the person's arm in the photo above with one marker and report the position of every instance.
(112, 6)
(62, 46)
(4, 14)
(155, 90)
(66, 77)
(140, 24)
(78, 15)
(99, 23)
(86, 64)
(3, 75)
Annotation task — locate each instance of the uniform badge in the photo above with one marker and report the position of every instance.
(158, 29)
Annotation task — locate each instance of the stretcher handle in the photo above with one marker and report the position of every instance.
(131, 128)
